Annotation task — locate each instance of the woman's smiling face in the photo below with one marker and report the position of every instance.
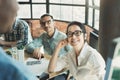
(75, 36)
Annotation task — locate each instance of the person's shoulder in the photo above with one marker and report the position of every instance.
(88, 50)
(20, 21)
(61, 34)
(8, 70)
(93, 52)
(42, 36)
(2, 55)
(91, 49)
(88, 47)
(10, 67)
(5, 60)
(21, 24)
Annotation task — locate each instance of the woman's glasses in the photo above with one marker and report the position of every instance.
(76, 33)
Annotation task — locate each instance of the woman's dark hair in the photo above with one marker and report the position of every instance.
(78, 24)
(46, 15)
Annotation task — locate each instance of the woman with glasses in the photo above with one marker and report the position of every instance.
(83, 62)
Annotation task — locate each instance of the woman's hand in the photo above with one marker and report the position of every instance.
(62, 43)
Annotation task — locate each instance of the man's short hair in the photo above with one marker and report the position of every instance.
(46, 15)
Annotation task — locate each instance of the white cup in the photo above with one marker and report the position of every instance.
(20, 55)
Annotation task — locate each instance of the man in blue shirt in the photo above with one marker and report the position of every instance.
(10, 69)
(48, 40)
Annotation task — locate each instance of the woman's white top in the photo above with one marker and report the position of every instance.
(91, 65)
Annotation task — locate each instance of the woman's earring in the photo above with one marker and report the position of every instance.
(85, 37)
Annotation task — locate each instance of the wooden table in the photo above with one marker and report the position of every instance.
(45, 61)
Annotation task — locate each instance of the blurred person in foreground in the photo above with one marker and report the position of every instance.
(83, 62)
(9, 68)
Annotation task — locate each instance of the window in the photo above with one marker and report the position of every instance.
(23, 0)
(65, 10)
(38, 1)
(90, 16)
(38, 10)
(24, 13)
(93, 13)
(31, 9)
(96, 22)
(79, 14)
(68, 10)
